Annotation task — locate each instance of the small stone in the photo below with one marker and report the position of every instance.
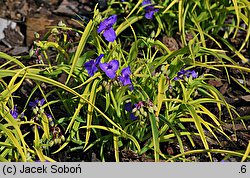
(67, 8)
(18, 50)
(4, 24)
(10, 33)
(171, 43)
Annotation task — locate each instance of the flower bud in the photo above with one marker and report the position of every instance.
(55, 31)
(51, 143)
(36, 35)
(141, 110)
(137, 113)
(98, 17)
(145, 114)
(196, 93)
(59, 141)
(155, 108)
(41, 110)
(51, 123)
(62, 138)
(56, 140)
(116, 83)
(35, 110)
(152, 35)
(151, 109)
(134, 110)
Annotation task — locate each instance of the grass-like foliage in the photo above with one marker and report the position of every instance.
(134, 77)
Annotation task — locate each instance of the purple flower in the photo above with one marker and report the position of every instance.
(132, 116)
(194, 74)
(129, 107)
(149, 8)
(187, 73)
(91, 65)
(181, 72)
(139, 105)
(110, 68)
(49, 116)
(106, 26)
(51, 122)
(125, 77)
(176, 78)
(14, 112)
(37, 103)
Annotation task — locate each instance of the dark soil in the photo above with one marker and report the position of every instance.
(35, 16)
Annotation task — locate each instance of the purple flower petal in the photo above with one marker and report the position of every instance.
(112, 19)
(110, 68)
(150, 9)
(125, 81)
(125, 76)
(101, 27)
(146, 2)
(194, 74)
(182, 72)
(14, 112)
(149, 15)
(98, 59)
(128, 106)
(133, 117)
(107, 23)
(109, 35)
(115, 64)
(126, 71)
(41, 102)
(131, 87)
(32, 103)
(176, 78)
(106, 26)
(37, 103)
(91, 65)
(49, 115)
(111, 74)
(103, 66)
(186, 73)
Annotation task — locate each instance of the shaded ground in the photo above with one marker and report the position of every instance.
(20, 19)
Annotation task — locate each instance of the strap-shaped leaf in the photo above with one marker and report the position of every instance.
(155, 138)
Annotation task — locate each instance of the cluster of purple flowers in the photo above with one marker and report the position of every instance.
(106, 26)
(186, 73)
(37, 102)
(36, 108)
(110, 70)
